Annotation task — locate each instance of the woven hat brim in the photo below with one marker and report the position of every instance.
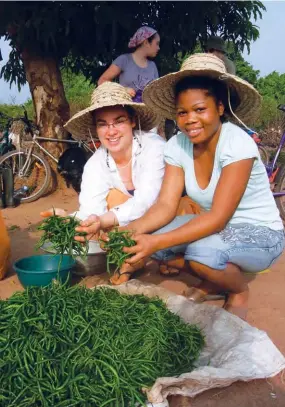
(159, 95)
(82, 122)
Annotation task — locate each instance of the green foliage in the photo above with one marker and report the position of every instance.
(15, 111)
(245, 70)
(13, 71)
(78, 93)
(86, 36)
(78, 90)
(271, 120)
(268, 113)
(273, 86)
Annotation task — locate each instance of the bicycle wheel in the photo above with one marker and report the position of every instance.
(33, 173)
(263, 154)
(280, 187)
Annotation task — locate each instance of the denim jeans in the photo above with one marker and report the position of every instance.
(252, 248)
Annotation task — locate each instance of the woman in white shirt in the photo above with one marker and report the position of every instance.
(123, 178)
(219, 164)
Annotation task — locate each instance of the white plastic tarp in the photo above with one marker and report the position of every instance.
(234, 349)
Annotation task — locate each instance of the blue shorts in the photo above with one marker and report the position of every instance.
(252, 248)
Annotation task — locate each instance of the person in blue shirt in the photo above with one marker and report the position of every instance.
(239, 228)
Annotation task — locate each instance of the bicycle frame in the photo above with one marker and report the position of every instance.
(38, 138)
(80, 143)
(35, 142)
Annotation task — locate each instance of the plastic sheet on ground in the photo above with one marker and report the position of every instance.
(234, 349)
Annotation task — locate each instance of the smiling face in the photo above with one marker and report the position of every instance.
(198, 112)
(114, 126)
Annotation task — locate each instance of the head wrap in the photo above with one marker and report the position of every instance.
(140, 35)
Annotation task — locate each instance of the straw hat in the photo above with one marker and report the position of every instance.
(109, 94)
(159, 94)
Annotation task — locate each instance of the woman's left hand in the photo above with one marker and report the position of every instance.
(146, 245)
(91, 226)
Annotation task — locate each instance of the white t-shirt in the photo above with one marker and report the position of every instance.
(147, 174)
(257, 205)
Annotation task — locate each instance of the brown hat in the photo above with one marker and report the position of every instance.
(160, 97)
(110, 94)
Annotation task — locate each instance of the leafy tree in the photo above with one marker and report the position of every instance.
(86, 36)
(245, 70)
(272, 120)
(273, 86)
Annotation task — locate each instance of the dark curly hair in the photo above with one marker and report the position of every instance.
(213, 87)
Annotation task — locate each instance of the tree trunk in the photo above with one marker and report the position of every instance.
(51, 106)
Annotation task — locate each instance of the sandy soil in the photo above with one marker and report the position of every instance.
(266, 309)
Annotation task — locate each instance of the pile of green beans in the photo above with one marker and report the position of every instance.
(71, 346)
(60, 233)
(114, 247)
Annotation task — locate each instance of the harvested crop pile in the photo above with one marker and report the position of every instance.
(70, 346)
(59, 232)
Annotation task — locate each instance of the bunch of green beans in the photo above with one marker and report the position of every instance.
(70, 346)
(60, 233)
(114, 247)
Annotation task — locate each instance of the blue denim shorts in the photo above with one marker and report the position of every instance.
(252, 248)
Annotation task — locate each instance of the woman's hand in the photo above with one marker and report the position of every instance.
(146, 245)
(91, 226)
(105, 238)
(131, 92)
(54, 211)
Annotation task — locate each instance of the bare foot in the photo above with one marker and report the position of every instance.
(168, 271)
(237, 304)
(172, 267)
(125, 273)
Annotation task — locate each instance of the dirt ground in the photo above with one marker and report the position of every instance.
(266, 309)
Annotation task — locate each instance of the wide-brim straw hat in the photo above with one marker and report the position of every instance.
(159, 95)
(110, 94)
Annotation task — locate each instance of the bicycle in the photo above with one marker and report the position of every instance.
(31, 170)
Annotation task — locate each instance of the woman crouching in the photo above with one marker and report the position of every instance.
(123, 178)
(239, 228)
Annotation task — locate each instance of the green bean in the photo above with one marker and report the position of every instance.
(60, 233)
(70, 346)
(114, 247)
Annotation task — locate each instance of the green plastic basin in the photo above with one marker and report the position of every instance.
(42, 269)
